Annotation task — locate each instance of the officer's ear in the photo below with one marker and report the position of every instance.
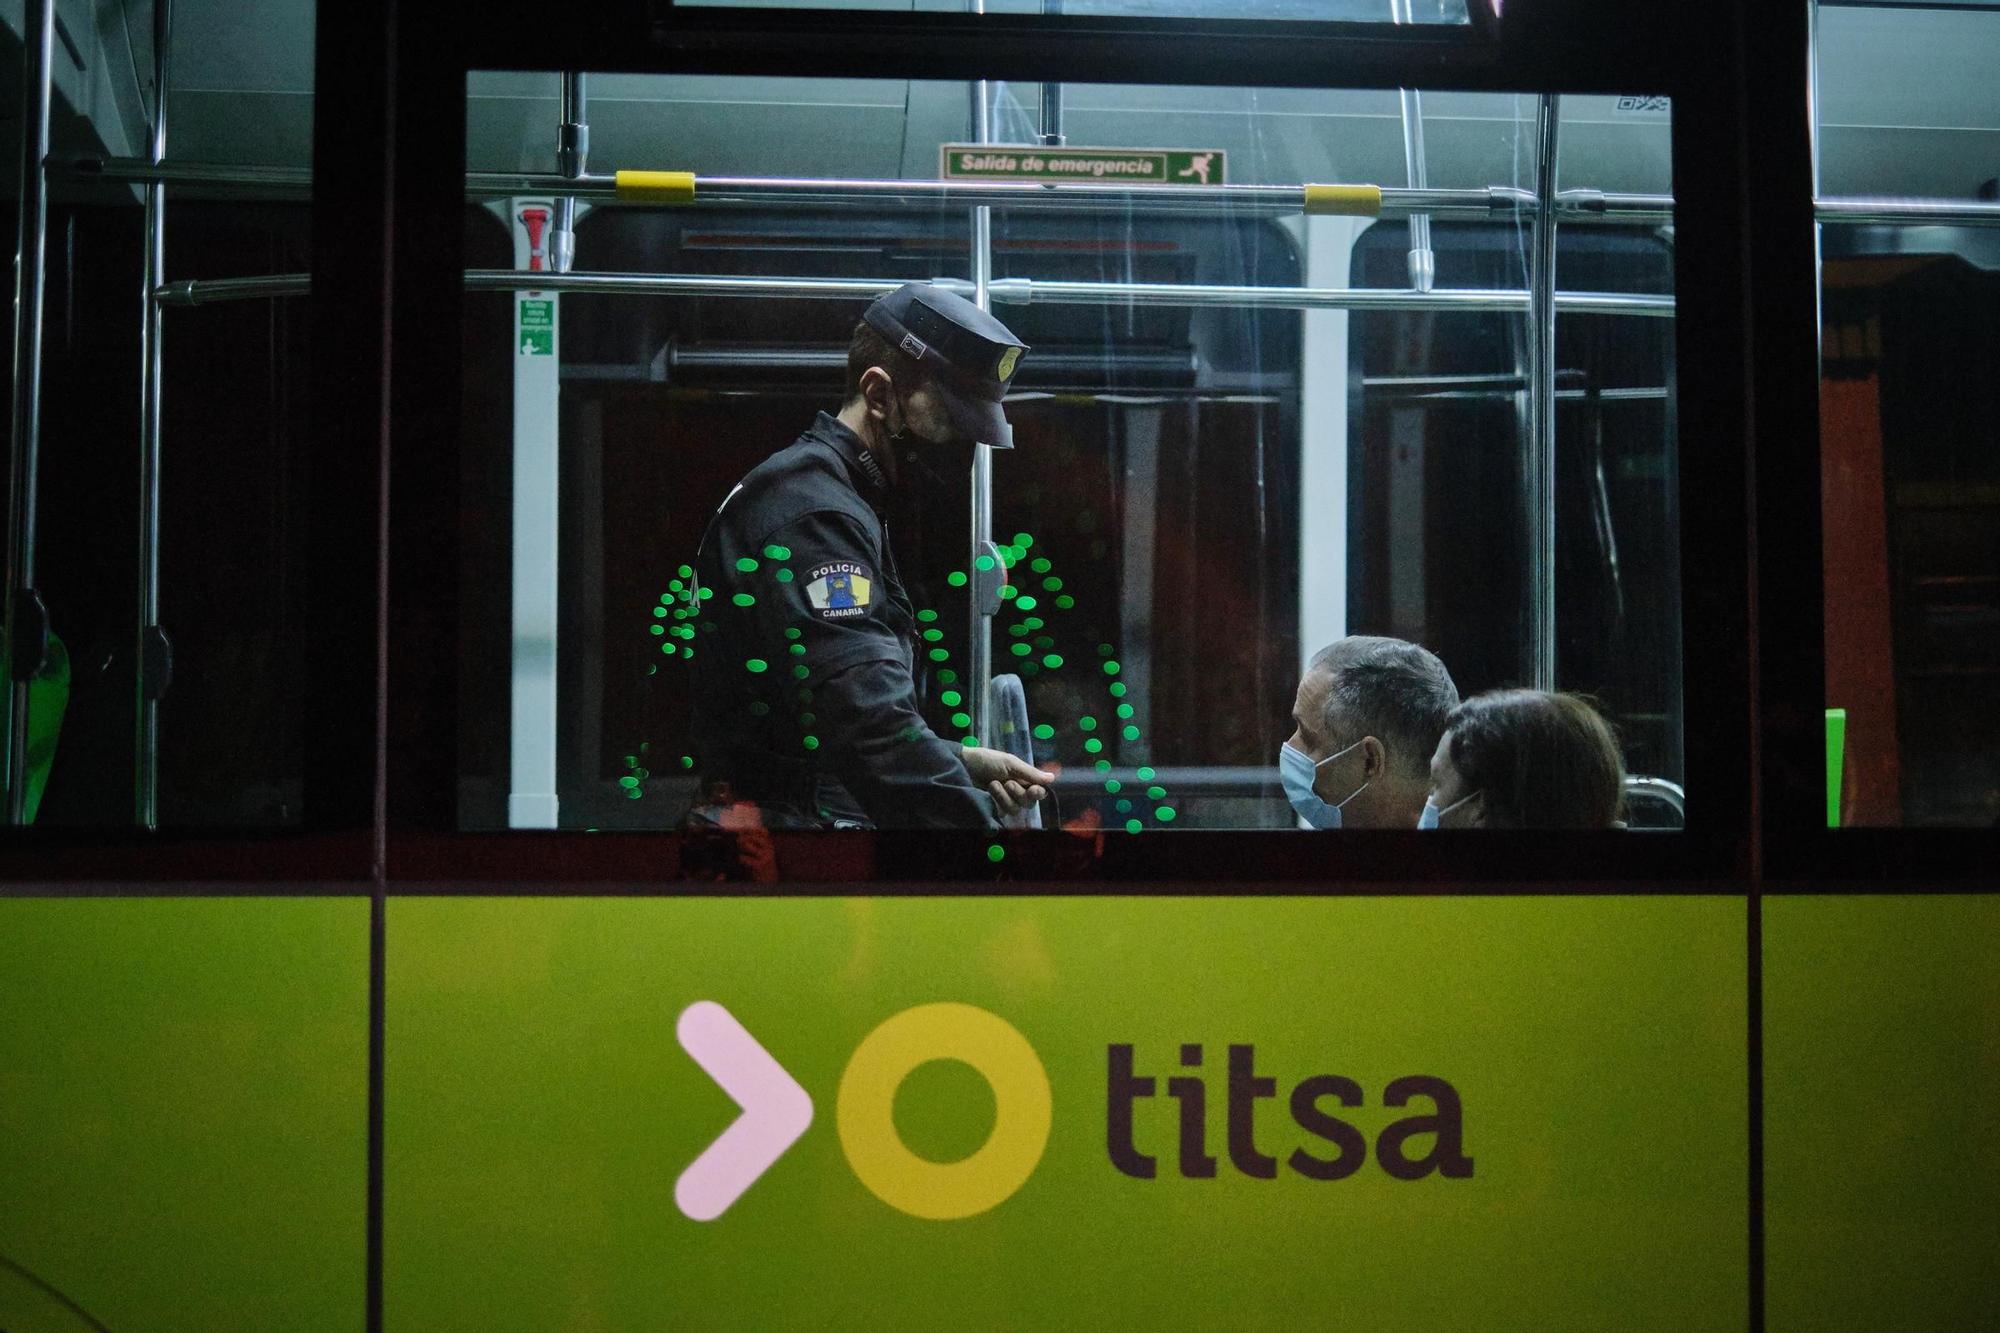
(878, 391)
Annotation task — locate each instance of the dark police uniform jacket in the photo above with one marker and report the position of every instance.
(805, 655)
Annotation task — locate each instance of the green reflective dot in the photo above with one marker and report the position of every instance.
(1118, 689)
(758, 708)
(1110, 668)
(810, 742)
(1065, 602)
(1103, 765)
(801, 671)
(956, 578)
(1045, 732)
(1030, 668)
(1052, 661)
(1053, 584)
(962, 721)
(685, 632)
(1130, 733)
(657, 629)
(1124, 710)
(628, 782)
(1113, 785)
(668, 649)
(747, 564)
(756, 666)
(660, 612)
(1008, 556)
(1105, 650)
(1156, 793)
(642, 773)
(1009, 592)
(1019, 649)
(1093, 745)
(996, 853)
(951, 698)
(685, 571)
(1017, 630)
(1165, 814)
(1145, 774)
(1133, 826)
(969, 739)
(805, 696)
(1041, 565)
(792, 633)
(807, 719)
(631, 761)
(927, 616)
(940, 655)
(707, 593)
(933, 635)
(784, 576)
(797, 650)
(687, 761)
(1025, 603)
(1087, 722)
(947, 677)
(778, 552)
(744, 599)
(983, 563)
(1044, 641)
(1123, 807)
(1023, 540)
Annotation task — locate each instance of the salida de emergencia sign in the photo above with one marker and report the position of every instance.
(1095, 166)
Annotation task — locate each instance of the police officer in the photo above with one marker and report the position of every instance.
(805, 652)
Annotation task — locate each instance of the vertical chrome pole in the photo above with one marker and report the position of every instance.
(1423, 261)
(23, 606)
(980, 652)
(572, 158)
(1052, 98)
(149, 651)
(1540, 454)
(1812, 131)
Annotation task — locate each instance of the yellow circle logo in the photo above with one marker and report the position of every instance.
(865, 1111)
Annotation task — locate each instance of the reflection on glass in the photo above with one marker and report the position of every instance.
(1910, 481)
(1220, 468)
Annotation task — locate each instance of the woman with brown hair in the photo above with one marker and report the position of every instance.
(1525, 759)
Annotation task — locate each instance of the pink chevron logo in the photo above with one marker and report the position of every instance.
(776, 1111)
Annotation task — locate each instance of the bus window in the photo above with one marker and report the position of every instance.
(1274, 399)
(1910, 324)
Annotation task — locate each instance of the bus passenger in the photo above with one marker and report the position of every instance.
(1367, 716)
(1525, 759)
(807, 665)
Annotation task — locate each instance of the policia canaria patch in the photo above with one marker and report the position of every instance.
(839, 590)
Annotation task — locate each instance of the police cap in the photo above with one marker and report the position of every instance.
(971, 355)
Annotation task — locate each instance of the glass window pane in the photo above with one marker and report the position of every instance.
(225, 564)
(1910, 327)
(1222, 468)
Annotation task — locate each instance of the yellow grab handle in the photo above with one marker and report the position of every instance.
(1360, 201)
(656, 187)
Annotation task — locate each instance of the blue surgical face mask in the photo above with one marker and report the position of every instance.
(1429, 818)
(1297, 771)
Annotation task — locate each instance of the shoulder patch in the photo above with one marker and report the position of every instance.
(840, 590)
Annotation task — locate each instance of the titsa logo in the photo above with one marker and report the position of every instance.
(777, 1111)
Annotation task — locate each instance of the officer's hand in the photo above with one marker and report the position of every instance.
(1014, 783)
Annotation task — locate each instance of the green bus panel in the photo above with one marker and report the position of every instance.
(183, 1114)
(542, 1110)
(1882, 1112)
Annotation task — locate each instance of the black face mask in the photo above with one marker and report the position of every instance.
(933, 463)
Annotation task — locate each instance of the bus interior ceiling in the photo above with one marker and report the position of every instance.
(1162, 446)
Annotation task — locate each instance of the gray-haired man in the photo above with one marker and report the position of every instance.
(1366, 720)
